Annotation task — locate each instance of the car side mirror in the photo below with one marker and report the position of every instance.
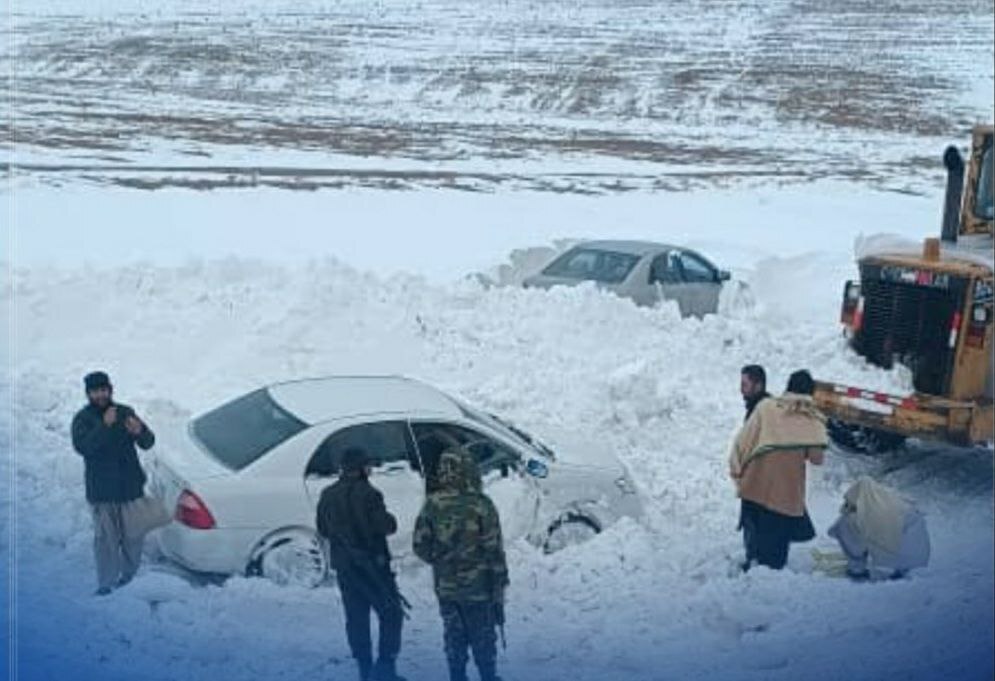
(724, 275)
(537, 469)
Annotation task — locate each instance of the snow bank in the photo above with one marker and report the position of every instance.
(441, 234)
(977, 249)
(651, 600)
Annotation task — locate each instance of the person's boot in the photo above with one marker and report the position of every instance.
(385, 670)
(457, 672)
(365, 669)
(488, 672)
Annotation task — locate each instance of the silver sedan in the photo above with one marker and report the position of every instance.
(646, 272)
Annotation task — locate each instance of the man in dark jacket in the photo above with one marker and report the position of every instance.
(105, 434)
(753, 387)
(458, 533)
(353, 518)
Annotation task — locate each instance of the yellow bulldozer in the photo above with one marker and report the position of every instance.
(928, 307)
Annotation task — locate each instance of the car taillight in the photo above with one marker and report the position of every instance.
(849, 314)
(954, 329)
(858, 315)
(192, 512)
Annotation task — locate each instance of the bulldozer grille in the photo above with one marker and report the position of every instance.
(907, 318)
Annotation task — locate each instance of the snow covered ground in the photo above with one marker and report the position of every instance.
(661, 391)
(790, 128)
(578, 96)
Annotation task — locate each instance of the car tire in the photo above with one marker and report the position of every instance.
(291, 557)
(569, 529)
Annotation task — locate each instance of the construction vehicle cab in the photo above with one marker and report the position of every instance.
(928, 307)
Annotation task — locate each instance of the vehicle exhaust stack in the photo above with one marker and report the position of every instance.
(955, 188)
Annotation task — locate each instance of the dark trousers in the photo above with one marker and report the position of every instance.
(469, 625)
(767, 535)
(358, 599)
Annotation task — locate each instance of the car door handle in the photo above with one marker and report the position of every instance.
(393, 470)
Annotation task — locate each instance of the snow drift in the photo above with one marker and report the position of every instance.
(657, 600)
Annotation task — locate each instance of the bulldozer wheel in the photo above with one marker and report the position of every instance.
(862, 439)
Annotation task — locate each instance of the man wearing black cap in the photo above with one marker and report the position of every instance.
(105, 434)
(353, 518)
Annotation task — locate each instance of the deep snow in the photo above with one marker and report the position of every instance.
(659, 390)
(790, 129)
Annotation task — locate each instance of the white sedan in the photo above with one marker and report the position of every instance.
(245, 478)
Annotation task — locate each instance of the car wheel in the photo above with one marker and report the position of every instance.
(290, 557)
(569, 530)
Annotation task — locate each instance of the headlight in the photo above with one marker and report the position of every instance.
(625, 484)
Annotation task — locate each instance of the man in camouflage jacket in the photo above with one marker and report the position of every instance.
(458, 533)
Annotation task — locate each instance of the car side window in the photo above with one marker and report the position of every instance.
(432, 439)
(383, 441)
(697, 270)
(582, 264)
(665, 270)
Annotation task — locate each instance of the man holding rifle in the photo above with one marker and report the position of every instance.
(353, 518)
(458, 533)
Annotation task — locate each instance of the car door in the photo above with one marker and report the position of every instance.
(515, 494)
(396, 472)
(665, 282)
(701, 285)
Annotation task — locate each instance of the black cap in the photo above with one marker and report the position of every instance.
(355, 459)
(801, 383)
(96, 379)
(756, 373)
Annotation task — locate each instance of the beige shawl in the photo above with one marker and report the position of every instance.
(789, 422)
(877, 512)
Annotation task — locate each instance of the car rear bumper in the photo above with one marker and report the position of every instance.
(221, 550)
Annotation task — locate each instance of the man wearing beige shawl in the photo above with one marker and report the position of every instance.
(768, 462)
(882, 535)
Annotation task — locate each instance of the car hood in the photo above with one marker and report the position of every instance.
(587, 476)
(576, 449)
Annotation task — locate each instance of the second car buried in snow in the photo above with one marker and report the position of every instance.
(245, 478)
(646, 272)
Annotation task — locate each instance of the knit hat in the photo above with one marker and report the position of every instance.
(96, 379)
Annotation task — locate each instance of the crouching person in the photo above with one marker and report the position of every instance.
(458, 533)
(882, 535)
(768, 464)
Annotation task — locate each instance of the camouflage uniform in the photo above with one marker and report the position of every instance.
(458, 533)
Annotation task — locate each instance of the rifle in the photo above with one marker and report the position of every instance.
(499, 620)
(497, 609)
(373, 579)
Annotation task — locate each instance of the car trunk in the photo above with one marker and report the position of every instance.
(178, 463)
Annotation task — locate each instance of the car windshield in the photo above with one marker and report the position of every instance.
(240, 432)
(984, 206)
(508, 429)
(592, 264)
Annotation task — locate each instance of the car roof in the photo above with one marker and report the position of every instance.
(314, 400)
(639, 248)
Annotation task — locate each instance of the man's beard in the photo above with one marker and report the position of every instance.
(101, 403)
